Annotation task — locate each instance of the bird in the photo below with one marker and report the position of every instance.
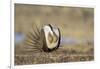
(44, 39)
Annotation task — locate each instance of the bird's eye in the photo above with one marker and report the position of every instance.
(50, 38)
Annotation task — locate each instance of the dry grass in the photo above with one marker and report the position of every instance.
(63, 54)
(39, 58)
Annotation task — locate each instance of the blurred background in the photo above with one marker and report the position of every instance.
(75, 23)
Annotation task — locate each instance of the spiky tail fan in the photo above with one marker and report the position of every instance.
(33, 41)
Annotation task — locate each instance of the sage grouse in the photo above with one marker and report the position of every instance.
(45, 39)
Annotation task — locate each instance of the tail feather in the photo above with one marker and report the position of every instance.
(36, 32)
(33, 41)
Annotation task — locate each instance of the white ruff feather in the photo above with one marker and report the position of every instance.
(48, 30)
